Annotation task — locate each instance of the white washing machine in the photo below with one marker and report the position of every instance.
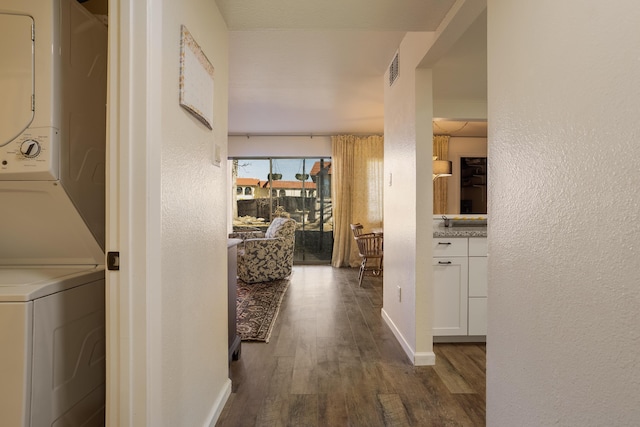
(52, 193)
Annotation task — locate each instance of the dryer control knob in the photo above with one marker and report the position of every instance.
(30, 148)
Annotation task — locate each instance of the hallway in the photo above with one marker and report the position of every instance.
(332, 361)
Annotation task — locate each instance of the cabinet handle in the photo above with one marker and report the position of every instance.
(444, 262)
(444, 243)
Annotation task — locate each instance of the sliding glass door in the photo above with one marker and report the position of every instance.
(299, 186)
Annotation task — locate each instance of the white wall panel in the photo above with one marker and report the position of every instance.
(564, 345)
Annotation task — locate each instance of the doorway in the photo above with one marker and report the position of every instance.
(299, 186)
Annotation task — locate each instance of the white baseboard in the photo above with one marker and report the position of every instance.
(427, 358)
(218, 405)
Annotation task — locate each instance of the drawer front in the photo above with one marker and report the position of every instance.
(477, 246)
(447, 247)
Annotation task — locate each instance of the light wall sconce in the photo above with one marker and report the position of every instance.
(441, 168)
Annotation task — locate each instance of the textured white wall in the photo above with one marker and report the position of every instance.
(193, 224)
(407, 158)
(564, 229)
(460, 77)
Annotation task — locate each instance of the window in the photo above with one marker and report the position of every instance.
(303, 190)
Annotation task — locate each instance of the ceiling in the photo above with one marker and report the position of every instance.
(317, 67)
(460, 128)
(382, 15)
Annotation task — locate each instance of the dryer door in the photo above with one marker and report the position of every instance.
(16, 75)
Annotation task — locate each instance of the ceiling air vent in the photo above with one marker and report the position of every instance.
(393, 70)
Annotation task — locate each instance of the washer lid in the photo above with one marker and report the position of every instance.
(40, 226)
(20, 284)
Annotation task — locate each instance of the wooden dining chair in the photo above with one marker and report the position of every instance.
(356, 229)
(371, 251)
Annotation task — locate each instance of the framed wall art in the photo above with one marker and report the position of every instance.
(196, 79)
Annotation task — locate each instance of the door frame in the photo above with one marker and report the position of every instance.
(133, 395)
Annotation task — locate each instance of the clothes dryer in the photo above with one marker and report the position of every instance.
(52, 192)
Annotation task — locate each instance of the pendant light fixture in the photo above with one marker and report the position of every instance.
(441, 168)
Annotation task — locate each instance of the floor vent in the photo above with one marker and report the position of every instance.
(394, 70)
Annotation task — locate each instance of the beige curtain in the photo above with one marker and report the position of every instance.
(356, 191)
(440, 187)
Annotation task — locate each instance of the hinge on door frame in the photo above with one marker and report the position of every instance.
(33, 39)
(113, 261)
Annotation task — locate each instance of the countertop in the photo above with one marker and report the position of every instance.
(460, 231)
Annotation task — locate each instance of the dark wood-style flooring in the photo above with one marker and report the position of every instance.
(332, 361)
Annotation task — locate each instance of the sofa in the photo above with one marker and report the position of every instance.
(263, 257)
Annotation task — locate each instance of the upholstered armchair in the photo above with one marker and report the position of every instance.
(267, 256)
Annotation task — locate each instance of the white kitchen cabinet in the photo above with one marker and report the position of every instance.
(478, 246)
(478, 286)
(478, 316)
(460, 286)
(450, 291)
(457, 247)
(478, 276)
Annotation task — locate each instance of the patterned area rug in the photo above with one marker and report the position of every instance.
(257, 308)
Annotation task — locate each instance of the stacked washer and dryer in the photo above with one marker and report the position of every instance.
(52, 214)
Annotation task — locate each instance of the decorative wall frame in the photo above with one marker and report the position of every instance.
(196, 79)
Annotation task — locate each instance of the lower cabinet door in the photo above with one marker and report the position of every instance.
(478, 277)
(450, 294)
(477, 316)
